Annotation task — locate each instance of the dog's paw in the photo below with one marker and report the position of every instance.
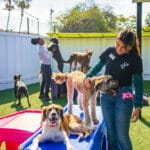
(70, 147)
(87, 135)
(91, 127)
(33, 147)
(88, 126)
(80, 137)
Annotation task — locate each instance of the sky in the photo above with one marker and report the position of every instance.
(41, 8)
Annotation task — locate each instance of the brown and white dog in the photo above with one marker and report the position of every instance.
(82, 58)
(74, 80)
(57, 127)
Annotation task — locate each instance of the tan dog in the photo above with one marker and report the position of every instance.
(82, 58)
(57, 126)
(74, 80)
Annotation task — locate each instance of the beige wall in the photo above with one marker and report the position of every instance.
(19, 56)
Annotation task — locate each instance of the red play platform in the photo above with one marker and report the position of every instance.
(17, 127)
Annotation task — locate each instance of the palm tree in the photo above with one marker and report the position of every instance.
(22, 4)
(9, 7)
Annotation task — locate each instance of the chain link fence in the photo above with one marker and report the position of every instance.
(30, 24)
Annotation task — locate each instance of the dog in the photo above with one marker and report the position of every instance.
(53, 47)
(20, 88)
(75, 80)
(106, 85)
(82, 58)
(57, 127)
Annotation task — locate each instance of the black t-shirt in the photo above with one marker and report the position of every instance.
(122, 67)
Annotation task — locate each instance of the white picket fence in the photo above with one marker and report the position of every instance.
(19, 56)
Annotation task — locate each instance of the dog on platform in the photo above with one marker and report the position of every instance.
(75, 80)
(20, 88)
(82, 58)
(57, 127)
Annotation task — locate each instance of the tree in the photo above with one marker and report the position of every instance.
(9, 7)
(83, 18)
(126, 22)
(146, 28)
(109, 17)
(147, 20)
(22, 4)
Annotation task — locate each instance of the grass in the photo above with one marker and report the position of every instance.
(8, 100)
(139, 131)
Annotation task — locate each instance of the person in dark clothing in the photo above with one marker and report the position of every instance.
(124, 63)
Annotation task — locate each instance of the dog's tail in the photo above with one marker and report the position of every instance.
(70, 60)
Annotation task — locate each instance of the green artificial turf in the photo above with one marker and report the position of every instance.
(139, 131)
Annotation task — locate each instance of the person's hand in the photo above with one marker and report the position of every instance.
(136, 114)
(86, 83)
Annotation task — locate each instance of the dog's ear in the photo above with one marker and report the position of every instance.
(19, 76)
(92, 81)
(44, 110)
(15, 77)
(98, 85)
(62, 114)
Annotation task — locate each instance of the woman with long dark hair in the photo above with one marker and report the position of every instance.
(124, 63)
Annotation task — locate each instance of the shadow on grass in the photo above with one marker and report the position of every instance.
(17, 107)
(145, 122)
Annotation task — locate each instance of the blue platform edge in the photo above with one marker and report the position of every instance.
(96, 141)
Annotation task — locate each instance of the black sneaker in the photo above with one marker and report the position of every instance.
(41, 96)
(47, 98)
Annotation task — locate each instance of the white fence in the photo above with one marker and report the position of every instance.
(19, 56)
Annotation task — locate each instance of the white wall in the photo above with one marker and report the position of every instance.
(100, 44)
(19, 56)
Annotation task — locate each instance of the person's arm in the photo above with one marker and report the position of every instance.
(44, 55)
(138, 84)
(95, 69)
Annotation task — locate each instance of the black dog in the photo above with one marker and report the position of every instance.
(54, 48)
(20, 88)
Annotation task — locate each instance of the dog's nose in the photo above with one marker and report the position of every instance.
(53, 114)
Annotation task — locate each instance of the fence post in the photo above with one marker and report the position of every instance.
(28, 30)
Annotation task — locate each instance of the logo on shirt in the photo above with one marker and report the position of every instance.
(112, 56)
(124, 65)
